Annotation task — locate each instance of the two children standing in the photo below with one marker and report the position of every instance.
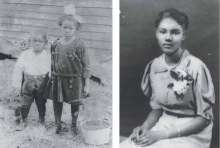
(61, 75)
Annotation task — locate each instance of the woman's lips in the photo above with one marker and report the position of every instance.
(167, 45)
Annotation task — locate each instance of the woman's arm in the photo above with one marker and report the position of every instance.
(192, 127)
(151, 120)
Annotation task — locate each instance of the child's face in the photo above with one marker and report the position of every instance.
(68, 29)
(170, 35)
(37, 42)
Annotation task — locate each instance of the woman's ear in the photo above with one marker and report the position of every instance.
(184, 36)
(156, 33)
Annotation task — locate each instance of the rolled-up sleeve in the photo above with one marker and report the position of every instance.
(204, 93)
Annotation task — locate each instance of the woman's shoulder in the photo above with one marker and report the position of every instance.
(156, 61)
(195, 62)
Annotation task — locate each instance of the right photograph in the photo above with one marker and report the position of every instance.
(169, 74)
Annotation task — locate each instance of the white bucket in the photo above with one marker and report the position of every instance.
(97, 136)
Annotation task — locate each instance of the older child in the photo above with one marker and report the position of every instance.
(30, 76)
(181, 92)
(70, 71)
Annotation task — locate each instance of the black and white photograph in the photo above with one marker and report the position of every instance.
(169, 74)
(56, 73)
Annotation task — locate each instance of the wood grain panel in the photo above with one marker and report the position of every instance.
(88, 20)
(77, 3)
(57, 33)
(89, 43)
(33, 9)
(85, 27)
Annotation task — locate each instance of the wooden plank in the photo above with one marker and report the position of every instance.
(98, 44)
(56, 32)
(88, 43)
(76, 3)
(98, 20)
(53, 23)
(85, 27)
(89, 49)
(54, 11)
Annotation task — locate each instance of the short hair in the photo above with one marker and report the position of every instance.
(70, 18)
(180, 17)
(39, 32)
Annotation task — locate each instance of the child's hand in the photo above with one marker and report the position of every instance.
(86, 90)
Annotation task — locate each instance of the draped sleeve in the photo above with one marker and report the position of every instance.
(148, 89)
(204, 93)
(145, 84)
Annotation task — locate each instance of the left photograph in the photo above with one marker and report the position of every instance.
(56, 74)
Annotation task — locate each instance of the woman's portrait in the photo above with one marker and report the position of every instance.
(169, 74)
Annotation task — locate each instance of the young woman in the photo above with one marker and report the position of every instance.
(181, 92)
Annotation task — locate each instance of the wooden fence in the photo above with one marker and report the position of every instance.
(18, 17)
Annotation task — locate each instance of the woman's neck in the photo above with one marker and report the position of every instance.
(173, 58)
(66, 41)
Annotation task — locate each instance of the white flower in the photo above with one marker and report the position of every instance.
(181, 72)
(180, 87)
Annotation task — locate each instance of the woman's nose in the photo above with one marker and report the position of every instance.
(168, 37)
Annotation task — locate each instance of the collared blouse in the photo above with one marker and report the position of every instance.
(199, 98)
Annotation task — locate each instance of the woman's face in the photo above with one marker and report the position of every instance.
(170, 35)
(68, 28)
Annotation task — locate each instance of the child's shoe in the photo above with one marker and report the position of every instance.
(17, 121)
(17, 116)
(22, 125)
(41, 121)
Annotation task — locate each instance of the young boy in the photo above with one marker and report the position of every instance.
(30, 76)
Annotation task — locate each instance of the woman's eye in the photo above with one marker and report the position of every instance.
(161, 31)
(176, 32)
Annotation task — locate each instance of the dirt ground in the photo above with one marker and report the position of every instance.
(97, 106)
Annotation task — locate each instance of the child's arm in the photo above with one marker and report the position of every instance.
(86, 87)
(86, 68)
(17, 74)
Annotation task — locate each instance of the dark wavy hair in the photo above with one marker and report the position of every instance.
(180, 17)
(70, 18)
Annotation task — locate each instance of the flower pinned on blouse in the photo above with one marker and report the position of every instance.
(182, 83)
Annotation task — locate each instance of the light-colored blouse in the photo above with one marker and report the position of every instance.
(199, 98)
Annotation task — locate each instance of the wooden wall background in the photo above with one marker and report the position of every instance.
(19, 17)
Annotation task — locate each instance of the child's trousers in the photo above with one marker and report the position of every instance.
(33, 89)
